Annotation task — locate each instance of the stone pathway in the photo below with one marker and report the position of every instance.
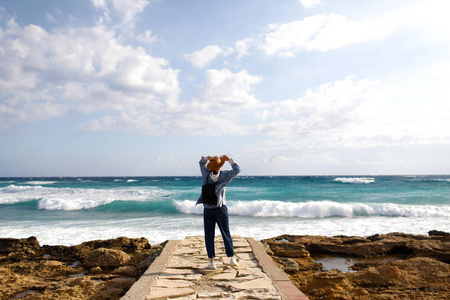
(181, 272)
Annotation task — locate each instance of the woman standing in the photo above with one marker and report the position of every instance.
(217, 213)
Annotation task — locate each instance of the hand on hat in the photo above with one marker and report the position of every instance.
(224, 158)
(212, 158)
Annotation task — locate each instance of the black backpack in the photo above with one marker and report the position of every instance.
(209, 193)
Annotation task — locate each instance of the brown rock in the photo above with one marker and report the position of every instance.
(108, 293)
(329, 285)
(121, 283)
(95, 270)
(439, 249)
(383, 275)
(19, 245)
(49, 272)
(290, 265)
(414, 269)
(288, 249)
(128, 271)
(108, 258)
(438, 233)
(122, 243)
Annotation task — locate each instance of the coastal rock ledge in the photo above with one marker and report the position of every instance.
(388, 266)
(92, 270)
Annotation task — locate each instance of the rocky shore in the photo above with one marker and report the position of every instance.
(92, 270)
(389, 266)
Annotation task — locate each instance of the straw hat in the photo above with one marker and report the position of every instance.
(215, 165)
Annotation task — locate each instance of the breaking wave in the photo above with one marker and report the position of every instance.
(355, 179)
(320, 209)
(73, 198)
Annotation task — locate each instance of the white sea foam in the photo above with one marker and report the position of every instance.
(175, 227)
(73, 198)
(131, 180)
(442, 179)
(320, 209)
(40, 182)
(355, 179)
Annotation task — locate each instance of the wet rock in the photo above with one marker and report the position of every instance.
(122, 243)
(121, 283)
(437, 246)
(95, 270)
(290, 265)
(30, 271)
(439, 249)
(128, 271)
(438, 233)
(287, 249)
(419, 269)
(109, 258)
(29, 245)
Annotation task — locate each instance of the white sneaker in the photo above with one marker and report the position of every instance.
(233, 261)
(212, 265)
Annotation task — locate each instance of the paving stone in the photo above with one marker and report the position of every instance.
(246, 264)
(180, 264)
(251, 272)
(180, 271)
(226, 275)
(246, 256)
(261, 284)
(186, 251)
(256, 295)
(240, 244)
(210, 272)
(172, 276)
(208, 295)
(190, 297)
(173, 283)
(243, 250)
(185, 274)
(193, 277)
(158, 293)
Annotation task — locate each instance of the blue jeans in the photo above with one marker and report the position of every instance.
(218, 215)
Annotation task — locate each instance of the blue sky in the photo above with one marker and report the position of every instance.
(299, 87)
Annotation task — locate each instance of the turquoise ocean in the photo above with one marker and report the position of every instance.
(71, 210)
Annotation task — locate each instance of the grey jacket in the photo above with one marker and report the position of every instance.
(224, 179)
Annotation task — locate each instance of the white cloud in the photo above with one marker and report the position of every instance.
(332, 31)
(147, 37)
(127, 9)
(310, 3)
(323, 33)
(223, 92)
(243, 46)
(203, 57)
(191, 123)
(46, 74)
(227, 90)
(362, 114)
(328, 107)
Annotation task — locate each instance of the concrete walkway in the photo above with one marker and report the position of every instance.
(181, 272)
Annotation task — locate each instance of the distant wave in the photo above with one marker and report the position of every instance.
(427, 179)
(75, 198)
(355, 179)
(40, 182)
(320, 209)
(131, 180)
